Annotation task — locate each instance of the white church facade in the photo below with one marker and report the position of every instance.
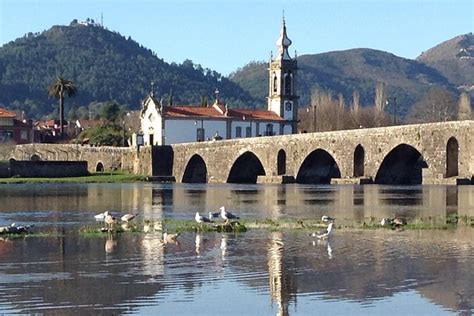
(167, 125)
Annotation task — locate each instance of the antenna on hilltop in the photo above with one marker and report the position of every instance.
(102, 19)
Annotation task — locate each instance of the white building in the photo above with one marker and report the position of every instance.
(166, 125)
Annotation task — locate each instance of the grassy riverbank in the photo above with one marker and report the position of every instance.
(93, 178)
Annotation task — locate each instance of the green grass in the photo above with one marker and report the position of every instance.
(240, 226)
(93, 178)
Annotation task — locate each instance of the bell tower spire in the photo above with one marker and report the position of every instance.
(282, 95)
(283, 42)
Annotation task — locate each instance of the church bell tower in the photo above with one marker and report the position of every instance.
(282, 97)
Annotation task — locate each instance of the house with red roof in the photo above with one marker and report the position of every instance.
(170, 124)
(13, 131)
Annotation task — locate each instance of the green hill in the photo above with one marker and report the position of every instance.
(104, 66)
(349, 70)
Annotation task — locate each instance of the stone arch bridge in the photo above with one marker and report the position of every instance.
(407, 154)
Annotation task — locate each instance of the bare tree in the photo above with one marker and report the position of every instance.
(380, 98)
(464, 108)
(327, 113)
(437, 105)
(355, 109)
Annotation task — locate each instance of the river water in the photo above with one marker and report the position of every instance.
(259, 272)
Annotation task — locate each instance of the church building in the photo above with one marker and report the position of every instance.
(167, 125)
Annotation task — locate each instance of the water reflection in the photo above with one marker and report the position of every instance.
(110, 243)
(73, 204)
(143, 273)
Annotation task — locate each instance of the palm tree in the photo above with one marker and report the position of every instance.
(59, 89)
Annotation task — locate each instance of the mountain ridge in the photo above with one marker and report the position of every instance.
(345, 71)
(108, 66)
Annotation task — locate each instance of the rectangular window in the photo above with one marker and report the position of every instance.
(248, 131)
(6, 136)
(24, 135)
(238, 131)
(269, 130)
(200, 135)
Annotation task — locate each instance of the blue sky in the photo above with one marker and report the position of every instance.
(224, 35)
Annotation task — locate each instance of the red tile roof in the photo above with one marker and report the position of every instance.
(213, 112)
(89, 123)
(256, 115)
(6, 114)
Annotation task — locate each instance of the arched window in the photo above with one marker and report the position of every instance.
(288, 79)
(35, 157)
(359, 156)
(99, 167)
(275, 83)
(281, 162)
(452, 153)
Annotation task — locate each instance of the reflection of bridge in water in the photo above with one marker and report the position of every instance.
(409, 154)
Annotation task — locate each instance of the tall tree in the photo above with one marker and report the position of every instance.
(464, 107)
(59, 89)
(380, 98)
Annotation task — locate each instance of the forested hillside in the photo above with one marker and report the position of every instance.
(104, 66)
(348, 71)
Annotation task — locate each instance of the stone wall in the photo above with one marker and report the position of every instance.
(4, 169)
(110, 158)
(48, 169)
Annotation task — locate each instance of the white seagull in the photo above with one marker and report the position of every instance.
(325, 234)
(128, 217)
(101, 216)
(227, 215)
(201, 219)
(326, 218)
(109, 219)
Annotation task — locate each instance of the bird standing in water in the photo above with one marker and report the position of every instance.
(227, 215)
(101, 216)
(326, 234)
(109, 220)
(128, 217)
(201, 219)
(326, 218)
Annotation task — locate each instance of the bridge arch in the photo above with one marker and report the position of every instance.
(245, 169)
(281, 162)
(319, 167)
(35, 157)
(402, 165)
(359, 161)
(452, 157)
(196, 170)
(99, 167)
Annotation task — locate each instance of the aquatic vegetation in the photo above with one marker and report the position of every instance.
(242, 225)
